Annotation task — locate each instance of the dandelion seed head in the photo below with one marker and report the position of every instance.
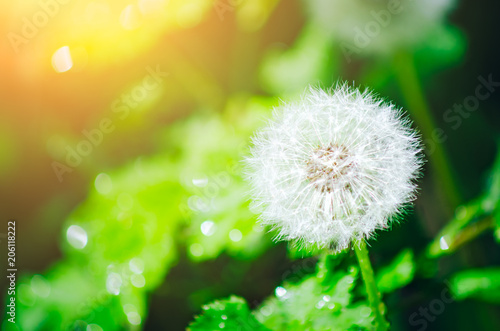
(328, 165)
(333, 167)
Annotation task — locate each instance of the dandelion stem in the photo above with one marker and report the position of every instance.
(412, 91)
(374, 296)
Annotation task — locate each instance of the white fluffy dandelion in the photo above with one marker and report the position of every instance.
(333, 167)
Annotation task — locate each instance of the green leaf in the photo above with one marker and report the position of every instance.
(228, 314)
(491, 200)
(398, 273)
(482, 284)
(472, 218)
(323, 301)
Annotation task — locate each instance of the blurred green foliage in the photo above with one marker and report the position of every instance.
(471, 219)
(229, 314)
(482, 284)
(130, 227)
(321, 301)
(398, 273)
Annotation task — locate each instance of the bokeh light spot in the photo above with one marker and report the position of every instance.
(280, 292)
(40, 286)
(201, 181)
(94, 327)
(114, 283)
(196, 249)
(136, 265)
(320, 304)
(208, 228)
(61, 60)
(138, 280)
(189, 15)
(76, 236)
(103, 183)
(235, 235)
(26, 295)
(131, 17)
(134, 318)
(443, 244)
(266, 311)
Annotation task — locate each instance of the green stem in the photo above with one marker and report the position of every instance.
(374, 296)
(412, 92)
(448, 243)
